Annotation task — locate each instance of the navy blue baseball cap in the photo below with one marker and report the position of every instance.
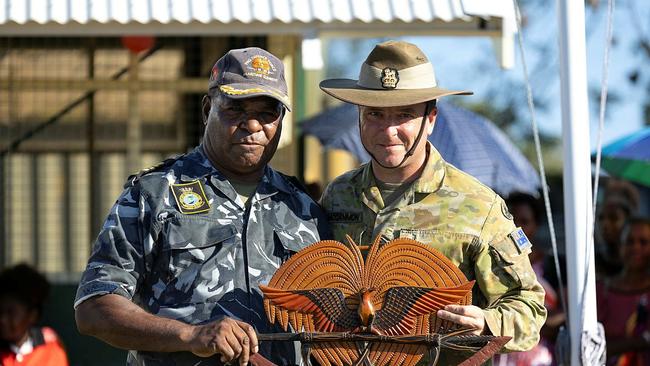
(250, 72)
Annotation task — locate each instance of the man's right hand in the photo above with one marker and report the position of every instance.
(232, 339)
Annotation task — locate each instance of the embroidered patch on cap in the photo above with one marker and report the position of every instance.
(260, 66)
(389, 78)
(520, 239)
(190, 197)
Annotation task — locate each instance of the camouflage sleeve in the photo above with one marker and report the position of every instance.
(505, 276)
(116, 263)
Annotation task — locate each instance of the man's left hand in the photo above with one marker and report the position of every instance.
(469, 316)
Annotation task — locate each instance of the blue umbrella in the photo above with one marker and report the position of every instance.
(468, 141)
(629, 157)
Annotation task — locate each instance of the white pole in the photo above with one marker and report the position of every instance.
(577, 174)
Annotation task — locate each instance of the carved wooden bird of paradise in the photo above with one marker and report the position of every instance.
(396, 290)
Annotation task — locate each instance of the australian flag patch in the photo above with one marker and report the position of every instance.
(520, 239)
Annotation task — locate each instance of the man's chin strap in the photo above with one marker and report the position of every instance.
(430, 105)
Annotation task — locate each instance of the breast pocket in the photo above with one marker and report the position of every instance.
(512, 266)
(201, 258)
(285, 245)
(458, 247)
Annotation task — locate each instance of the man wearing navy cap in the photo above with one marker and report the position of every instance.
(174, 274)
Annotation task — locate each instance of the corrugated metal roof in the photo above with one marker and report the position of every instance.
(63, 12)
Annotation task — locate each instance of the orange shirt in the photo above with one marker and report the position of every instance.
(47, 351)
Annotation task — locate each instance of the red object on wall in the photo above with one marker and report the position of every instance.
(137, 44)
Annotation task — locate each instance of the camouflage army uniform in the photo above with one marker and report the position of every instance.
(198, 268)
(463, 219)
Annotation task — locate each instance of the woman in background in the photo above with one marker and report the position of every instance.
(620, 202)
(623, 299)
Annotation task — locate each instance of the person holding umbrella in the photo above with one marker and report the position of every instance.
(408, 191)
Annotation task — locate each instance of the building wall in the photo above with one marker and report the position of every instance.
(54, 191)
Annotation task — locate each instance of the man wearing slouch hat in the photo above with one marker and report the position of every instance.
(407, 190)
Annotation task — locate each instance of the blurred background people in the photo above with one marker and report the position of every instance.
(622, 299)
(23, 292)
(620, 202)
(527, 213)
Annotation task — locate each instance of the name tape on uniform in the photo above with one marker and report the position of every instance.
(344, 217)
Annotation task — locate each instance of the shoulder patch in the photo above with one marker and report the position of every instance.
(132, 179)
(505, 211)
(160, 165)
(190, 197)
(520, 239)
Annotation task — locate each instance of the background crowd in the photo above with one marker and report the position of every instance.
(622, 258)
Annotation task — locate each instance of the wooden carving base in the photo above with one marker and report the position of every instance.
(484, 347)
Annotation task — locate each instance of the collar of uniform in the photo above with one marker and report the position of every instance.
(205, 169)
(370, 194)
(272, 182)
(429, 181)
(201, 166)
(433, 174)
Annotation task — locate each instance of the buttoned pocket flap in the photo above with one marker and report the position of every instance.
(291, 243)
(190, 233)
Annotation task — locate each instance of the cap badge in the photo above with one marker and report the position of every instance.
(389, 78)
(261, 64)
(261, 67)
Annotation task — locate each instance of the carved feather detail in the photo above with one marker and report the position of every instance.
(396, 290)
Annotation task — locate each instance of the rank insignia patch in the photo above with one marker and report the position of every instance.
(190, 197)
(520, 239)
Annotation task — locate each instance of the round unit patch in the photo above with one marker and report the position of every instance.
(190, 200)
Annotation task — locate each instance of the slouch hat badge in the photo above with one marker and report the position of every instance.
(389, 78)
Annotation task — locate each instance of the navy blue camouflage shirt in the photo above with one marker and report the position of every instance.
(200, 267)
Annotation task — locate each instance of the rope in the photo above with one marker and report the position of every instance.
(594, 345)
(593, 351)
(540, 159)
(603, 100)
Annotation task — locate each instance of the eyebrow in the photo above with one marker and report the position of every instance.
(405, 109)
(409, 110)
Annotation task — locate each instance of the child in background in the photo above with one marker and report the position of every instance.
(22, 294)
